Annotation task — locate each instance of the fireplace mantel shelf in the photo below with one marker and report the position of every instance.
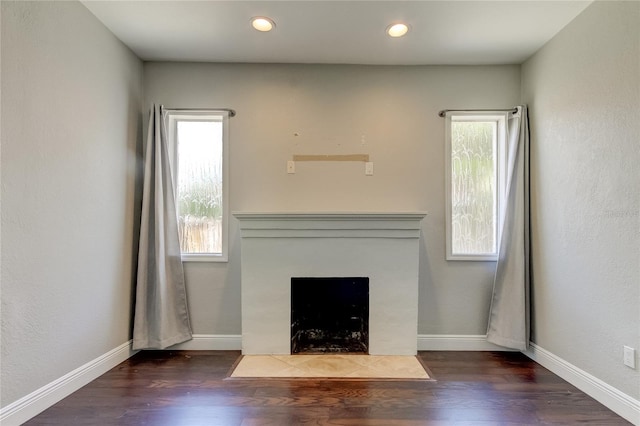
(330, 224)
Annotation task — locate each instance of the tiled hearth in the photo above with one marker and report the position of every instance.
(331, 366)
(278, 246)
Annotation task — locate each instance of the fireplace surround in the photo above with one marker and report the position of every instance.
(275, 247)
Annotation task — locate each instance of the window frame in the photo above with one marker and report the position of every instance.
(172, 117)
(501, 118)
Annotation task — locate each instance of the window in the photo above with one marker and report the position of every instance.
(475, 176)
(198, 152)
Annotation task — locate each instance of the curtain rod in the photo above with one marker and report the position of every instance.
(232, 112)
(445, 111)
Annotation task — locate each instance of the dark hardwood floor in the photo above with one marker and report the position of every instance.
(189, 388)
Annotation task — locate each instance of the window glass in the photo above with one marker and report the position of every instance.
(198, 150)
(473, 187)
(475, 163)
(199, 191)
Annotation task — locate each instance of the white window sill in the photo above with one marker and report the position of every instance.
(476, 258)
(204, 258)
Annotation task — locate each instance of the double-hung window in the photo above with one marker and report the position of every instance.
(475, 177)
(198, 152)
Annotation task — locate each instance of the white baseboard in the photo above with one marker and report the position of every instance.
(456, 342)
(617, 401)
(426, 342)
(210, 342)
(33, 404)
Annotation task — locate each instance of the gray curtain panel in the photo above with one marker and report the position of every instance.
(509, 312)
(161, 313)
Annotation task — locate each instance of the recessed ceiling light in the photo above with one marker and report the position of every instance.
(262, 23)
(397, 30)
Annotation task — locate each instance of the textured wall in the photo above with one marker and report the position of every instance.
(71, 113)
(389, 113)
(583, 88)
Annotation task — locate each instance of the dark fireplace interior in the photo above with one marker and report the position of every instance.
(329, 315)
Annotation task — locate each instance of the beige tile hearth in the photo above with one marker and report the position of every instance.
(330, 366)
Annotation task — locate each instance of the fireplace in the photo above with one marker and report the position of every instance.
(383, 247)
(329, 315)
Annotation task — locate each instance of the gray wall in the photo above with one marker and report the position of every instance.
(71, 114)
(389, 113)
(583, 89)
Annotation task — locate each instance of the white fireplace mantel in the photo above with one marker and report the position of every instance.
(278, 246)
(330, 225)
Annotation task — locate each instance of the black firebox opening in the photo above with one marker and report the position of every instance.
(330, 315)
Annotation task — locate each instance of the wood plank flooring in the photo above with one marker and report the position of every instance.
(178, 388)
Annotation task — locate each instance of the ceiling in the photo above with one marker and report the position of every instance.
(337, 32)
